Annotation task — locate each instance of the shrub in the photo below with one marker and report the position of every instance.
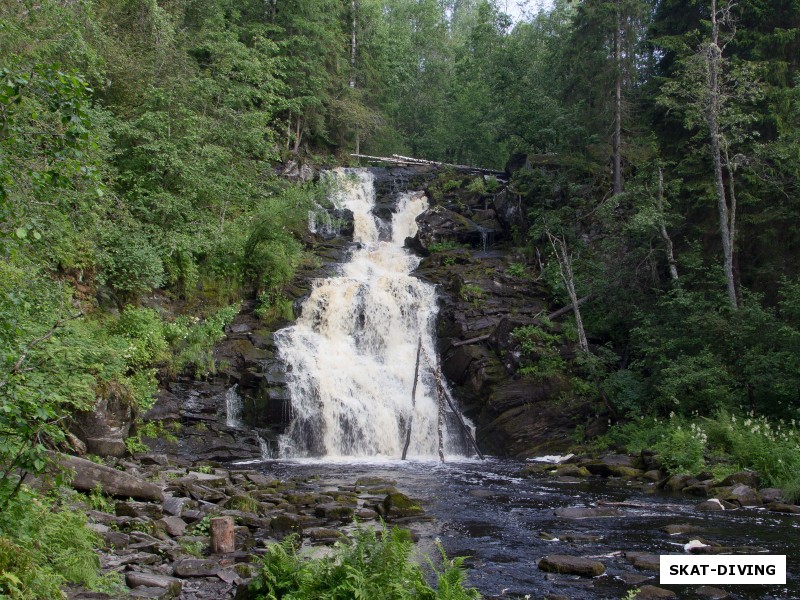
(378, 568)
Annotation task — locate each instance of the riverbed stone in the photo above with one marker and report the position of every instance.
(714, 504)
(780, 507)
(712, 593)
(644, 560)
(742, 495)
(770, 495)
(334, 511)
(681, 528)
(652, 592)
(677, 482)
(572, 471)
(286, 522)
(399, 505)
(573, 565)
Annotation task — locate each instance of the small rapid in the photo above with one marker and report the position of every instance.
(351, 354)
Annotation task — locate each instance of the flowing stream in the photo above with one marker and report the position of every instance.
(351, 354)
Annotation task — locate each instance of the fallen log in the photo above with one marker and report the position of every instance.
(410, 161)
(89, 476)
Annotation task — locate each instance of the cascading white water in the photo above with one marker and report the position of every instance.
(351, 354)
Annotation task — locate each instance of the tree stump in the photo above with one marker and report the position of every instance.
(223, 539)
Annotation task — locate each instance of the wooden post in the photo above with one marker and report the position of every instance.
(413, 401)
(223, 539)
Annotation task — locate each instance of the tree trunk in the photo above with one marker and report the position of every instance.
(223, 538)
(713, 57)
(297, 135)
(673, 265)
(565, 267)
(618, 103)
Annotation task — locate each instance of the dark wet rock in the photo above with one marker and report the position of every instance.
(286, 522)
(769, 495)
(116, 540)
(323, 535)
(572, 471)
(104, 428)
(742, 495)
(780, 507)
(700, 488)
(748, 478)
(651, 592)
(573, 565)
(398, 505)
(334, 511)
(717, 549)
(653, 475)
(677, 482)
(594, 512)
(89, 475)
(138, 509)
(174, 526)
(681, 528)
(174, 506)
(136, 579)
(643, 560)
(634, 578)
(714, 504)
(196, 567)
(712, 593)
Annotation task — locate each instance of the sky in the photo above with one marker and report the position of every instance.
(518, 9)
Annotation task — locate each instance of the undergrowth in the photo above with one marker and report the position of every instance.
(687, 445)
(43, 547)
(374, 566)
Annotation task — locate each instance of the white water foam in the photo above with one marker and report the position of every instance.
(351, 354)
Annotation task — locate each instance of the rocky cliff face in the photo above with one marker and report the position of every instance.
(488, 290)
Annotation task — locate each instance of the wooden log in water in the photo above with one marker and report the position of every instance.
(413, 401)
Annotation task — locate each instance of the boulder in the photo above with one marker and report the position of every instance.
(196, 567)
(680, 528)
(104, 428)
(651, 592)
(743, 495)
(643, 560)
(677, 482)
(712, 593)
(714, 504)
(136, 579)
(780, 507)
(174, 526)
(142, 510)
(572, 565)
(88, 475)
(399, 505)
(748, 478)
(770, 495)
(334, 511)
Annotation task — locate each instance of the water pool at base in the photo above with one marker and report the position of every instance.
(487, 511)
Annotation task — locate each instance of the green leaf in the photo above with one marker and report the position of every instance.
(21, 233)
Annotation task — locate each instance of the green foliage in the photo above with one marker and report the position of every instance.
(368, 567)
(43, 546)
(471, 292)
(443, 246)
(541, 350)
(97, 500)
(516, 269)
(742, 442)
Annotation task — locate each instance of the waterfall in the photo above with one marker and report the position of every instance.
(350, 356)
(233, 408)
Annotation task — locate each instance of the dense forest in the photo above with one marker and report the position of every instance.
(141, 143)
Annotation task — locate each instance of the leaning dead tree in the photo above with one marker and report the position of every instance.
(442, 397)
(408, 161)
(567, 276)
